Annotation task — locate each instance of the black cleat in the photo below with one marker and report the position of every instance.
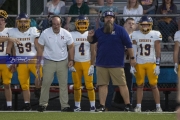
(8, 108)
(128, 108)
(27, 107)
(67, 109)
(37, 92)
(100, 108)
(41, 108)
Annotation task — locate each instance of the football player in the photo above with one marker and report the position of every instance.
(83, 66)
(27, 49)
(177, 68)
(146, 45)
(5, 70)
(176, 53)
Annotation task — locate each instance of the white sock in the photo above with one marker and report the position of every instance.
(138, 105)
(26, 102)
(158, 105)
(92, 103)
(9, 103)
(77, 104)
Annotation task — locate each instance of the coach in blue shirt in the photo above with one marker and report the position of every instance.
(111, 41)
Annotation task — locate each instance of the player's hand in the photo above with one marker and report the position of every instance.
(91, 33)
(72, 69)
(14, 40)
(71, 63)
(91, 70)
(132, 70)
(132, 62)
(157, 70)
(175, 68)
(11, 67)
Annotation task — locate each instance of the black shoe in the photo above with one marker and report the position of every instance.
(37, 92)
(128, 108)
(27, 107)
(41, 108)
(100, 108)
(9, 108)
(66, 109)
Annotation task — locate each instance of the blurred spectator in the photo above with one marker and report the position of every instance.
(53, 7)
(149, 6)
(167, 25)
(79, 8)
(100, 2)
(133, 8)
(108, 7)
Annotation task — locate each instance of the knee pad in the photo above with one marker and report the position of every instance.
(25, 87)
(89, 86)
(77, 87)
(6, 82)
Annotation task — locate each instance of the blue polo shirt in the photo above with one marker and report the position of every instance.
(111, 47)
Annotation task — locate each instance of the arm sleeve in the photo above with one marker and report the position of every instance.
(87, 10)
(134, 37)
(157, 36)
(95, 38)
(41, 39)
(177, 36)
(126, 39)
(35, 32)
(71, 10)
(124, 13)
(69, 39)
(63, 10)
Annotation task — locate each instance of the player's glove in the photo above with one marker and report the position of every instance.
(91, 70)
(175, 68)
(72, 69)
(157, 70)
(132, 70)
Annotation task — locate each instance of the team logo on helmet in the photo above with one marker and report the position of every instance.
(23, 22)
(108, 13)
(3, 14)
(82, 23)
(145, 20)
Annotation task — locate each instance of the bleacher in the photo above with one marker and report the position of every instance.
(119, 3)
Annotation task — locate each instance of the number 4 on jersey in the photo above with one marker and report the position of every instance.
(81, 49)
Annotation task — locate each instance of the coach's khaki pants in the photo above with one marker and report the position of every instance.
(61, 69)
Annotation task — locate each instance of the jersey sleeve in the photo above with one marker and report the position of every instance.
(69, 39)
(177, 36)
(10, 32)
(134, 36)
(41, 39)
(35, 32)
(157, 36)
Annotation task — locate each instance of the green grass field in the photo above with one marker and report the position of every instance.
(86, 116)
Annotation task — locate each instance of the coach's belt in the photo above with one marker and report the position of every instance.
(54, 61)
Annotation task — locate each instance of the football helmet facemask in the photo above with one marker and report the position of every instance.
(145, 20)
(82, 23)
(23, 22)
